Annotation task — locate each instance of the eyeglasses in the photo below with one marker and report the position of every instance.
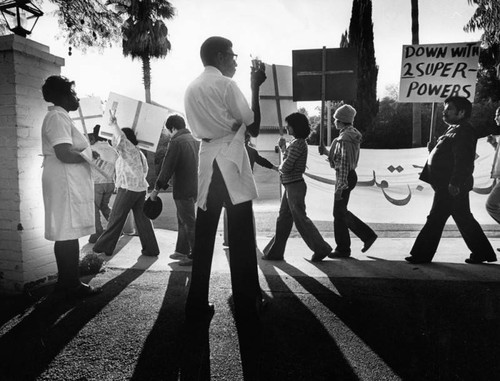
(234, 56)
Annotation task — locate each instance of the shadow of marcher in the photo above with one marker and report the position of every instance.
(30, 346)
(296, 346)
(173, 349)
(432, 329)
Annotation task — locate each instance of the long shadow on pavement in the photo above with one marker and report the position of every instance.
(296, 345)
(423, 329)
(29, 347)
(174, 350)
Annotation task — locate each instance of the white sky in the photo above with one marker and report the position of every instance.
(269, 29)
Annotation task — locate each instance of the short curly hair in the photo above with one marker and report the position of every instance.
(56, 87)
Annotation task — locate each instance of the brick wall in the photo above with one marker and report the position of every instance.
(26, 258)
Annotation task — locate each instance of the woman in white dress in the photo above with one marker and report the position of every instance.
(68, 190)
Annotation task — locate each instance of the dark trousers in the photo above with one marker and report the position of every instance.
(125, 201)
(242, 263)
(344, 220)
(444, 206)
(293, 210)
(186, 222)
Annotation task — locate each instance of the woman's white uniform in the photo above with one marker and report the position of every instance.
(68, 190)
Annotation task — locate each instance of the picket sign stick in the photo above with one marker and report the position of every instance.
(323, 92)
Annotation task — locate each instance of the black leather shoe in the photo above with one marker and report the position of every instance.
(318, 257)
(266, 257)
(339, 254)
(475, 259)
(368, 243)
(416, 261)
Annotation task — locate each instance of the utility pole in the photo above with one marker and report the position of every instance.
(417, 110)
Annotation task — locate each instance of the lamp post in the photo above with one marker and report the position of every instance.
(20, 15)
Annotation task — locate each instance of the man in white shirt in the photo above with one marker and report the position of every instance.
(219, 115)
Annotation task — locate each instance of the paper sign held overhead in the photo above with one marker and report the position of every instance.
(276, 95)
(432, 73)
(145, 119)
(88, 114)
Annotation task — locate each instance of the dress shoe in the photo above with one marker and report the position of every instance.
(79, 292)
(368, 243)
(339, 254)
(177, 255)
(148, 254)
(267, 257)
(476, 259)
(416, 261)
(186, 261)
(318, 257)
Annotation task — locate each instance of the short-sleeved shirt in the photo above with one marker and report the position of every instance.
(68, 190)
(215, 106)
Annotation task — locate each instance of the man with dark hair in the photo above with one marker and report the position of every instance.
(181, 165)
(449, 171)
(219, 115)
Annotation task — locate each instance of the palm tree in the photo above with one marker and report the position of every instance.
(145, 35)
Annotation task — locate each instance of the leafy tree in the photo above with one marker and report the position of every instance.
(487, 18)
(83, 23)
(88, 23)
(360, 37)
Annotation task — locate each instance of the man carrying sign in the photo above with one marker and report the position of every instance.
(449, 171)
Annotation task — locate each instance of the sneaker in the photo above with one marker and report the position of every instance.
(178, 255)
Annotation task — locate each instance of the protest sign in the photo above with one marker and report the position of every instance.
(145, 119)
(336, 69)
(276, 96)
(432, 73)
(88, 114)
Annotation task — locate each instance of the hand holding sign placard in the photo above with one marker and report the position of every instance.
(145, 119)
(431, 73)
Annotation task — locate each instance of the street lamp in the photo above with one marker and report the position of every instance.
(20, 15)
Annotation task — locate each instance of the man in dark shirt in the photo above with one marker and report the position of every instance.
(181, 164)
(449, 171)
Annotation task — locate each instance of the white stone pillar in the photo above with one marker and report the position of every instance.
(26, 257)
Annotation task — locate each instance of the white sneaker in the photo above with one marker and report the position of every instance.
(178, 255)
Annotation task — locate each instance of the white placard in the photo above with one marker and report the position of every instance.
(269, 96)
(145, 119)
(432, 73)
(88, 114)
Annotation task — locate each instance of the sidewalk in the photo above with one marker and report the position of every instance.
(385, 259)
(370, 317)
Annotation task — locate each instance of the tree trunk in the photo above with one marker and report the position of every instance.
(417, 111)
(146, 77)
